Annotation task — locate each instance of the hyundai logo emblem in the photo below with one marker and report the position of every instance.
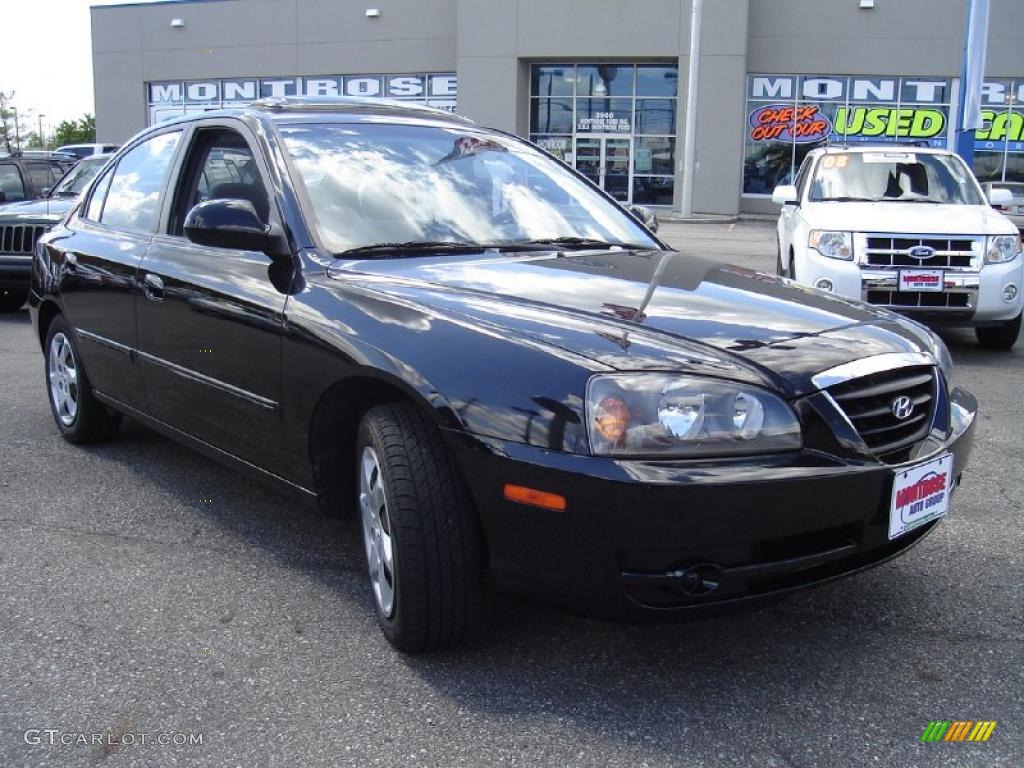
(921, 252)
(902, 407)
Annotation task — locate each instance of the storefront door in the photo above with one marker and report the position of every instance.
(605, 160)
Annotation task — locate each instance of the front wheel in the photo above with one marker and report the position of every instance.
(420, 531)
(80, 417)
(1001, 336)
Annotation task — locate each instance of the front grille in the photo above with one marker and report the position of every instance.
(925, 299)
(19, 238)
(891, 251)
(868, 404)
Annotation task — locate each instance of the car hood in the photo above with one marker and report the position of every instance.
(651, 310)
(45, 210)
(912, 218)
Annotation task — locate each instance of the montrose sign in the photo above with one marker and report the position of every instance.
(170, 98)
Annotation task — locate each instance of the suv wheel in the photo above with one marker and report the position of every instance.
(420, 531)
(12, 299)
(1001, 336)
(80, 417)
(779, 269)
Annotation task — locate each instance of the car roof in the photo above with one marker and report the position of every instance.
(329, 108)
(835, 149)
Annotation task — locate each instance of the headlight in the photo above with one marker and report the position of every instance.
(942, 357)
(649, 414)
(1001, 248)
(834, 245)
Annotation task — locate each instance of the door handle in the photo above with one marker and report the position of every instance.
(153, 287)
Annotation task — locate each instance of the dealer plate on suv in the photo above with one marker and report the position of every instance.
(920, 494)
(921, 280)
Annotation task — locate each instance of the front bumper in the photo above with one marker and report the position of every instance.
(970, 296)
(660, 538)
(15, 271)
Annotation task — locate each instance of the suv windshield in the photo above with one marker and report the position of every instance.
(373, 184)
(893, 176)
(78, 178)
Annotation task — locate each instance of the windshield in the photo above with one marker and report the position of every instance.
(894, 176)
(373, 184)
(78, 178)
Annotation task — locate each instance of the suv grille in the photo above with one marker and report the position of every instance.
(868, 404)
(19, 238)
(887, 251)
(925, 299)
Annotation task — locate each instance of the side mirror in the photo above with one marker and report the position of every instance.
(646, 215)
(46, 191)
(998, 196)
(785, 195)
(228, 224)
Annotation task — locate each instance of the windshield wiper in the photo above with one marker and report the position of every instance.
(414, 246)
(568, 242)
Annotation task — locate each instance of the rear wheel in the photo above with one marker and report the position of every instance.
(420, 531)
(779, 269)
(1001, 336)
(80, 417)
(12, 299)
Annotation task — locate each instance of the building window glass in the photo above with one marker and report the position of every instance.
(615, 123)
(788, 115)
(999, 143)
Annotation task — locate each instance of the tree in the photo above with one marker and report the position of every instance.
(8, 117)
(81, 131)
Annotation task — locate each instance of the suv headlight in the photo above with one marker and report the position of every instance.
(666, 415)
(1000, 248)
(834, 245)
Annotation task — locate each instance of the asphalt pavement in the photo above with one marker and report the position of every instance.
(150, 595)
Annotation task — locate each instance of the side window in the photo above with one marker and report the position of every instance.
(11, 184)
(40, 175)
(220, 166)
(99, 194)
(133, 200)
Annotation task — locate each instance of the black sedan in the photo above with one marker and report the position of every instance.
(391, 312)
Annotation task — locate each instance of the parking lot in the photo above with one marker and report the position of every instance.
(150, 592)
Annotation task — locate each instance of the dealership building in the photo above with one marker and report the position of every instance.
(599, 83)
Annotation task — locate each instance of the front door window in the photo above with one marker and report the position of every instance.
(605, 160)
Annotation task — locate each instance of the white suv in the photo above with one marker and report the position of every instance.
(908, 229)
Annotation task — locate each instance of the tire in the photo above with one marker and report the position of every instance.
(791, 274)
(12, 299)
(422, 513)
(80, 417)
(779, 269)
(1001, 336)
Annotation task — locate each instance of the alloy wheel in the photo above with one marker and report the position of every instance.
(63, 374)
(380, 553)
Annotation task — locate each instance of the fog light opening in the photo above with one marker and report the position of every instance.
(823, 284)
(1009, 292)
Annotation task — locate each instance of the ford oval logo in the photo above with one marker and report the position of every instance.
(921, 252)
(902, 407)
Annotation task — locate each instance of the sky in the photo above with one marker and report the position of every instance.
(46, 58)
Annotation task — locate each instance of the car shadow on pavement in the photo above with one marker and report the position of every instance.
(626, 684)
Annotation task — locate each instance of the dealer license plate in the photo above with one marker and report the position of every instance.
(920, 494)
(921, 279)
